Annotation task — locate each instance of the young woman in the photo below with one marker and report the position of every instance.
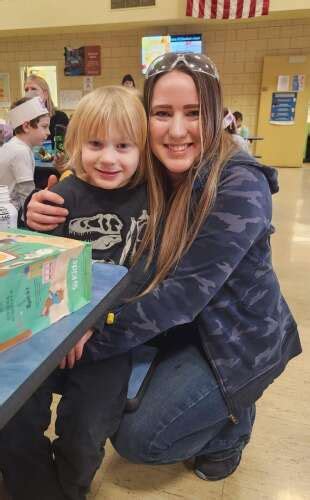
(214, 306)
(35, 85)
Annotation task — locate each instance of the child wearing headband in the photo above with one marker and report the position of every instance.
(229, 124)
(30, 121)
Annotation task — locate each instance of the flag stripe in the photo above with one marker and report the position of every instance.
(202, 8)
(189, 8)
(213, 9)
(246, 8)
(239, 9)
(227, 9)
(196, 8)
(265, 8)
(252, 11)
(219, 9)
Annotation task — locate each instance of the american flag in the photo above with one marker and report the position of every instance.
(226, 9)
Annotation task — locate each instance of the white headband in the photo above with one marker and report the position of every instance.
(27, 111)
(228, 120)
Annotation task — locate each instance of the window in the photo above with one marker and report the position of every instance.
(125, 4)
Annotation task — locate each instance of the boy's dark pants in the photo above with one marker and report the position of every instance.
(92, 403)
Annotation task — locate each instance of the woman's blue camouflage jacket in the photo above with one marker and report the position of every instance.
(225, 284)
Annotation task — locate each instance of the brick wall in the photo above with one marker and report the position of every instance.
(238, 51)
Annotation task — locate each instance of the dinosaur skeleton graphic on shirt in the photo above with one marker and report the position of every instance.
(104, 231)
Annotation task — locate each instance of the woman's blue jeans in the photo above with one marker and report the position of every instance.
(182, 415)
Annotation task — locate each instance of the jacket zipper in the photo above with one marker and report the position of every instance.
(226, 398)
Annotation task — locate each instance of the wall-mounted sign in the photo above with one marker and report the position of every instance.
(5, 99)
(83, 61)
(283, 83)
(69, 99)
(298, 83)
(88, 84)
(283, 107)
(92, 60)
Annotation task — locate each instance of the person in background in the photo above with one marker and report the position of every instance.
(241, 129)
(30, 120)
(6, 132)
(229, 124)
(128, 81)
(36, 86)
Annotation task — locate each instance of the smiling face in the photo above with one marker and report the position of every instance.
(174, 122)
(111, 162)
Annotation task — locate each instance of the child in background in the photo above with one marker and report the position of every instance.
(30, 121)
(6, 132)
(242, 130)
(107, 204)
(229, 124)
(128, 81)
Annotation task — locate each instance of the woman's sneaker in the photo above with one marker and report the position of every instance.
(216, 469)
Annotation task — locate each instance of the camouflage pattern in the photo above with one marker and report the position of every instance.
(226, 285)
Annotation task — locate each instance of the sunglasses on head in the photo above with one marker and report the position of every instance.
(199, 63)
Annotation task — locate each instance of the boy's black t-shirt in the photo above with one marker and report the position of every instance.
(112, 220)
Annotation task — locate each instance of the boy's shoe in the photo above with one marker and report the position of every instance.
(216, 469)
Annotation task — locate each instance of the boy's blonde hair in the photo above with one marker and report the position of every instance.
(105, 110)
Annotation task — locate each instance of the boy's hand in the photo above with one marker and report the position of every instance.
(76, 352)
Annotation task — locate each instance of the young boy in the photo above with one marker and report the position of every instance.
(30, 120)
(107, 204)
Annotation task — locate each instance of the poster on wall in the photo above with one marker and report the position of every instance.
(74, 61)
(298, 83)
(92, 60)
(88, 84)
(69, 99)
(83, 61)
(5, 98)
(283, 107)
(283, 83)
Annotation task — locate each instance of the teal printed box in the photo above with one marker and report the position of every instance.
(42, 279)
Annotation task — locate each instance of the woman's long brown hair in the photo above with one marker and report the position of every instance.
(176, 215)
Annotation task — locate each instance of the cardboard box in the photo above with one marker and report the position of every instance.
(42, 279)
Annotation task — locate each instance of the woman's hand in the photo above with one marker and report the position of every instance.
(42, 217)
(76, 352)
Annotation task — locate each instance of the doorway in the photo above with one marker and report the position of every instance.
(283, 110)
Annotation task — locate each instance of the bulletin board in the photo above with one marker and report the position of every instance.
(283, 107)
